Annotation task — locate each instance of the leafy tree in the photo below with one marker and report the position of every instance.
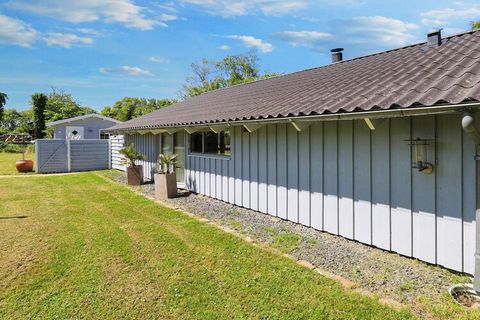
(11, 120)
(129, 107)
(39, 102)
(231, 70)
(61, 105)
(476, 25)
(3, 101)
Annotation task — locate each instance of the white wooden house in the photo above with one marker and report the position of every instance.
(379, 149)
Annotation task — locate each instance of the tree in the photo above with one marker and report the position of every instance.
(61, 105)
(129, 107)
(231, 70)
(39, 102)
(3, 101)
(476, 25)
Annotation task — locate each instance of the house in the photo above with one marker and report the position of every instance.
(379, 149)
(89, 126)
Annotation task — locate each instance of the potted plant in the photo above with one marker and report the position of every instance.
(165, 178)
(134, 171)
(24, 165)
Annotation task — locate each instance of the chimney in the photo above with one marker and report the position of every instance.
(337, 55)
(434, 39)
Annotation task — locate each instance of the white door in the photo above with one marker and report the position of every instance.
(74, 133)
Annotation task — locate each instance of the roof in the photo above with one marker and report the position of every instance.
(408, 77)
(84, 117)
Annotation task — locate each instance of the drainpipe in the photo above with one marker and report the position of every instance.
(468, 125)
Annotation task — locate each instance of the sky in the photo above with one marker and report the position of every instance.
(103, 50)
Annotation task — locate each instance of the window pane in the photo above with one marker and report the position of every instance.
(225, 142)
(211, 142)
(196, 142)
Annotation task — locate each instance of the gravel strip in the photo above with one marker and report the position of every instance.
(386, 274)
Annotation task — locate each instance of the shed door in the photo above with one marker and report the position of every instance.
(74, 133)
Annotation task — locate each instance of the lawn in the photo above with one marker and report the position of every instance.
(78, 246)
(7, 162)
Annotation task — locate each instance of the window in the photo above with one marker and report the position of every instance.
(209, 142)
(104, 135)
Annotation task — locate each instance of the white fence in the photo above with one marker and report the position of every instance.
(58, 155)
(117, 143)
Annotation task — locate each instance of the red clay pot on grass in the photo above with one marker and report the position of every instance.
(24, 165)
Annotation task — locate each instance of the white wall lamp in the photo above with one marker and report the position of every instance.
(420, 155)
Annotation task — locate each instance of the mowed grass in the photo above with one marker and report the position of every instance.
(78, 246)
(7, 162)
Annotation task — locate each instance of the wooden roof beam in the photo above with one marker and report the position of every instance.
(251, 127)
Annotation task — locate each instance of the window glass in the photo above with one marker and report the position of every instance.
(209, 142)
(196, 142)
(104, 135)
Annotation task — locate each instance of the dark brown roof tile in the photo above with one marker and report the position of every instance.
(412, 76)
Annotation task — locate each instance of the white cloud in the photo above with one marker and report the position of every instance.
(224, 47)
(361, 32)
(444, 17)
(158, 59)
(127, 70)
(17, 32)
(65, 40)
(89, 31)
(378, 30)
(77, 11)
(309, 39)
(232, 8)
(252, 42)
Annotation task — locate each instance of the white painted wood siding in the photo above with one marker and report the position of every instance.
(342, 178)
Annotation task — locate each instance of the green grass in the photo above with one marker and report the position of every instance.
(81, 247)
(7, 162)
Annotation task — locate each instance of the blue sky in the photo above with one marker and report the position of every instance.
(103, 50)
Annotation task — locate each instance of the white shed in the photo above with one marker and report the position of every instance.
(89, 126)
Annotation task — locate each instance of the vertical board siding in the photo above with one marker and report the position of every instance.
(292, 174)
(238, 164)
(282, 195)
(272, 170)
(304, 177)
(449, 197)
(423, 197)
(380, 185)
(316, 176)
(346, 179)
(362, 182)
(330, 177)
(469, 202)
(400, 187)
(246, 169)
(254, 166)
(262, 170)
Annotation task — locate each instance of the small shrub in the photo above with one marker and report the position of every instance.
(10, 148)
(131, 155)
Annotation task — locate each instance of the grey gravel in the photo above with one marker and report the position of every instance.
(383, 273)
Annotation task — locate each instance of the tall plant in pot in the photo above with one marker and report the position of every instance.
(134, 171)
(165, 178)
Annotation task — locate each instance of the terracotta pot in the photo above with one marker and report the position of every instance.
(24, 165)
(135, 175)
(165, 186)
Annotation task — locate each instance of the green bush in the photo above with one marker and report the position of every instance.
(11, 148)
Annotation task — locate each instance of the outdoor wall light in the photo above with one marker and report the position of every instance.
(420, 155)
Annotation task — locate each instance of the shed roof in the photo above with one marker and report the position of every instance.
(414, 76)
(83, 117)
